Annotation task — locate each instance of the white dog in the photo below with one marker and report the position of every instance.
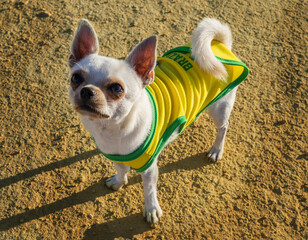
(134, 107)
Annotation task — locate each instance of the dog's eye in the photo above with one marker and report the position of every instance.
(77, 79)
(116, 88)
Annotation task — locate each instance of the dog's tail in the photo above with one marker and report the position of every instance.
(210, 29)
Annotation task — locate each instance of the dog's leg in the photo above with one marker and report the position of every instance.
(117, 181)
(152, 211)
(220, 112)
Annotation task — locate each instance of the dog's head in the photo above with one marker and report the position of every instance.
(106, 88)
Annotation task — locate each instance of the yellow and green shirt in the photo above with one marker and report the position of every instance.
(180, 92)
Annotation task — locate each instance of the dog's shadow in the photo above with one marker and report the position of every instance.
(135, 224)
(109, 229)
(126, 227)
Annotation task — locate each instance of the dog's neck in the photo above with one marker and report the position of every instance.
(125, 136)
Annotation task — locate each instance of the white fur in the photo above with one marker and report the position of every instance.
(130, 119)
(126, 135)
(207, 30)
(220, 112)
(124, 132)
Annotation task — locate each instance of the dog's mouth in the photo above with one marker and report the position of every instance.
(89, 110)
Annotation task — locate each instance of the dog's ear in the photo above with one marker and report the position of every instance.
(85, 42)
(143, 59)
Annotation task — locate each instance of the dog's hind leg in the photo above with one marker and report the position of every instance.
(117, 181)
(220, 112)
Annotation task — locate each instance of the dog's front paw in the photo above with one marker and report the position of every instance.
(114, 183)
(215, 154)
(152, 215)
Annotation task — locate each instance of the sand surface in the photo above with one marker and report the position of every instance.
(52, 177)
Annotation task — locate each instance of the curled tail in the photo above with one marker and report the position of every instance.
(210, 29)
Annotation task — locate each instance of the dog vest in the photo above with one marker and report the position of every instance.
(180, 92)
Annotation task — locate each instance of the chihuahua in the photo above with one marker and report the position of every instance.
(134, 107)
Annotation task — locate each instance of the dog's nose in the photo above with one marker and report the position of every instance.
(87, 93)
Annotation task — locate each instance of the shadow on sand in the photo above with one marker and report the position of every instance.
(110, 229)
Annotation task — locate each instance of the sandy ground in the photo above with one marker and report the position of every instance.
(52, 177)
